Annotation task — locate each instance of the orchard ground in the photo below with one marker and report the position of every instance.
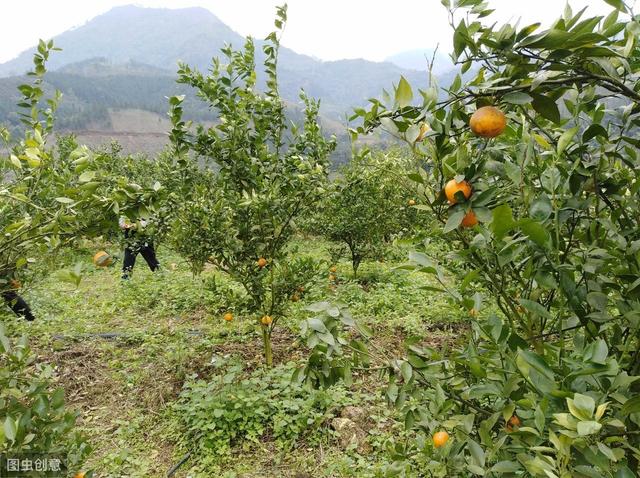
(124, 350)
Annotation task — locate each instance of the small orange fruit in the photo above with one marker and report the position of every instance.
(440, 439)
(514, 421)
(228, 317)
(261, 262)
(80, 474)
(424, 129)
(333, 269)
(332, 277)
(469, 220)
(266, 320)
(488, 122)
(452, 187)
(102, 259)
(412, 202)
(15, 284)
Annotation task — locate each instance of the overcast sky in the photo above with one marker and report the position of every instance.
(326, 29)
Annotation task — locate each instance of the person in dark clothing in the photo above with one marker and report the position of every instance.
(17, 304)
(136, 243)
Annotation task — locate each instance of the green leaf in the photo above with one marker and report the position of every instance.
(541, 209)
(597, 300)
(535, 232)
(505, 467)
(502, 221)
(404, 94)
(565, 139)
(454, 220)
(631, 406)
(10, 428)
(581, 406)
(546, 107)
(537, 362)
(593, 131)
(535, 308)
(617, 4)
(517, 98)
(588, 428)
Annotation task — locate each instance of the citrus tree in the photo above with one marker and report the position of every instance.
(368, 204)
(241, 217)
(48, 198)
(531, 167)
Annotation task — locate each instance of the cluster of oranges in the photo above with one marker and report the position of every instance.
(486, 122)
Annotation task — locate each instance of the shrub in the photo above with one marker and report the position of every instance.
(235, 409)
(33, 415)
(368, 204)
(242, 218)
(548, 387)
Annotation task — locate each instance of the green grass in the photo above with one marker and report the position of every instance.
(171, 332)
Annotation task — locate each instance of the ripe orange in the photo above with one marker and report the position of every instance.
(412, 202)
(15, 284)
(261, 262)
(333, 269)
(266, 320)
(102, 259)
(228, 317)
(440, 439)
(514, 421)
(424, 129)
(80, 474)
(469, 220)
(488, 122)
(452, 187)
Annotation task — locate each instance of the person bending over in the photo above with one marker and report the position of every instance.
(136, 243)
(16, 303)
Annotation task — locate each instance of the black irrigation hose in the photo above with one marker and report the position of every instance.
(175, 467)
(111, 335)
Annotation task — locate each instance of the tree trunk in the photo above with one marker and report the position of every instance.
(268, 354)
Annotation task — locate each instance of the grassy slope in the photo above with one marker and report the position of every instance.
(171, 329)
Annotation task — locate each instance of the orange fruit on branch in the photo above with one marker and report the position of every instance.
(228, 317)
(102, 259)
(266, 320)
(453, 186)
(333, 269)
(469, 220)
(412, 202)
(488, 122)
(261, 262)
(440, 439)
(514, 421)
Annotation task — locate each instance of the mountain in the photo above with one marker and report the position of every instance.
(126, 59)
(161, 37)
(419, 60)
